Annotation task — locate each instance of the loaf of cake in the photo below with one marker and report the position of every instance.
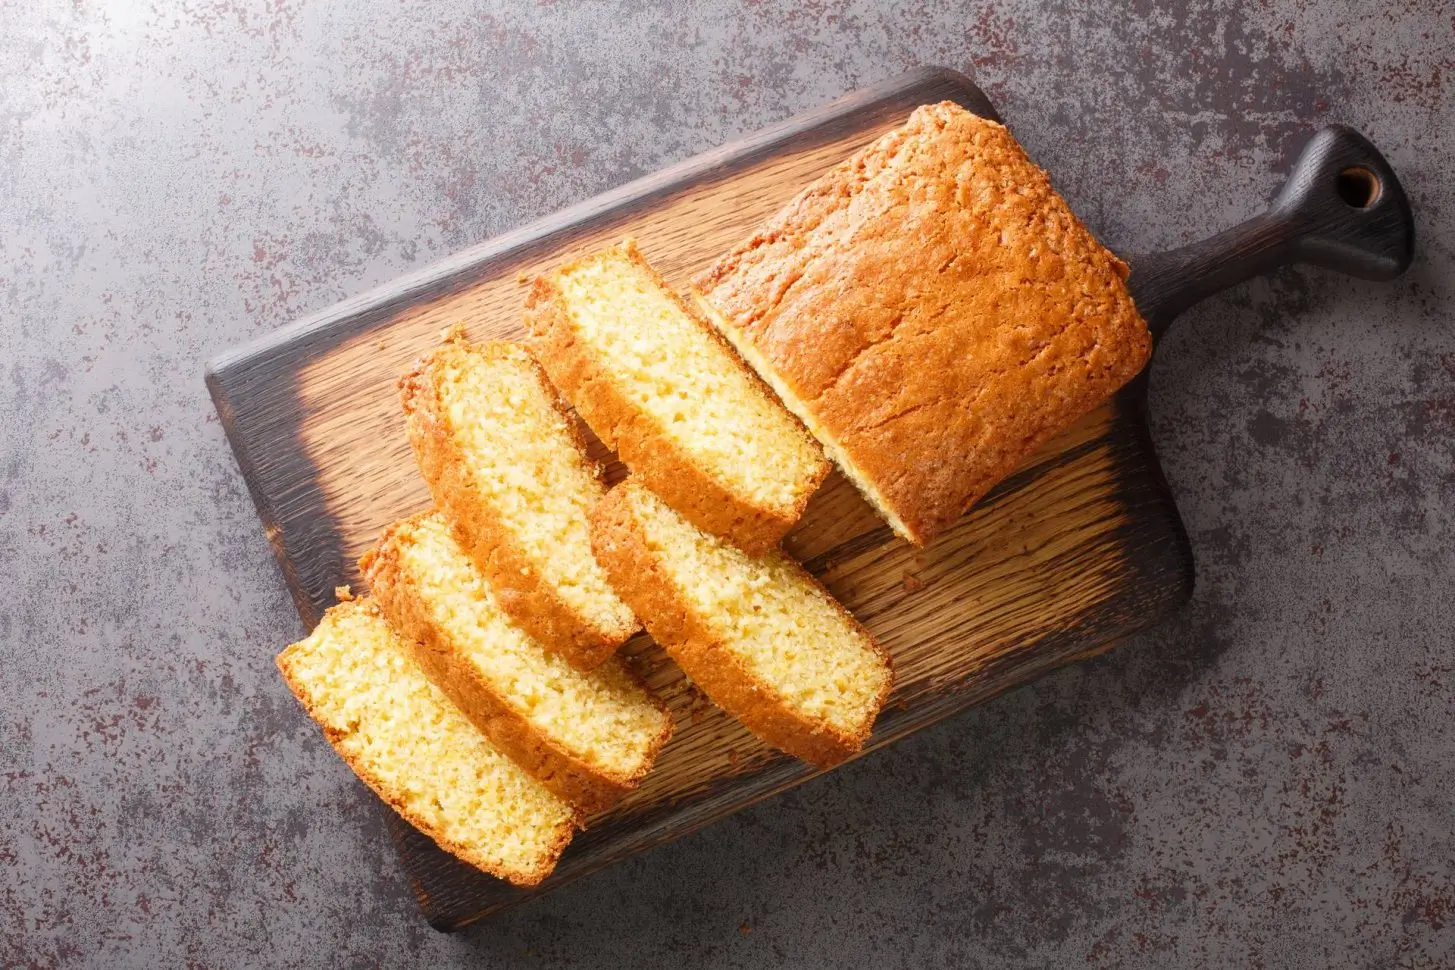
(933, 312)
(589, 737)
(763, 640)
(505, 462)
(658, 385)
(403, 737)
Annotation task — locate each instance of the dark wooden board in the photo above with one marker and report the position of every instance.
(1080, 548)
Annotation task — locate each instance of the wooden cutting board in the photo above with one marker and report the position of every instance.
(1078, 549)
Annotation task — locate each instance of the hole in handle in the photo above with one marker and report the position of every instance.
(1358, 187)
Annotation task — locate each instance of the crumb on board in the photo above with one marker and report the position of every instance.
(744, 928)
(699, 705)
(522, 277)
(343, 593)
(912, 583)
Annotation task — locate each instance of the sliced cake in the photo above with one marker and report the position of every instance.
(403, 737)
(933, 311)
(589, 737)
(505, 463)
(761, 638)
(658, 385)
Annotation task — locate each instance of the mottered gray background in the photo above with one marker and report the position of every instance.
(1267, 780)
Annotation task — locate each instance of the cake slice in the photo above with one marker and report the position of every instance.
(505, 462)
(402, 736)
(588, 737)
(933, 312)
(659, 386)
(763, 640)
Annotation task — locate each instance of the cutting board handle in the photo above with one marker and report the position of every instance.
(1342, 208)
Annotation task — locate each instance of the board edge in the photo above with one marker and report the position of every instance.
(449, 272)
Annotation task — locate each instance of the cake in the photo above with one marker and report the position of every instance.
(403, 737)
(659, 386)
(505, 462)
(757, 634)
(589, 737)
(932, 311)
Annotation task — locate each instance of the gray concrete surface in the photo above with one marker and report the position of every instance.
(1266, 782)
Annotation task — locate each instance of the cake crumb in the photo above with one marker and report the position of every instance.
(912, 583)
(744, 928)
(700, 705)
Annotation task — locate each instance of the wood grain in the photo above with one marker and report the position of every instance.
(1078, 549)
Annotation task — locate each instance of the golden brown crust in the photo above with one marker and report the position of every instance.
(465, 852)
(618, 538)
(983, 318)
(521, 589)
(641, 441)
(590, 788)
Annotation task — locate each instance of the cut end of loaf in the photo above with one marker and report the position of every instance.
(835, 451)
(403, 737)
